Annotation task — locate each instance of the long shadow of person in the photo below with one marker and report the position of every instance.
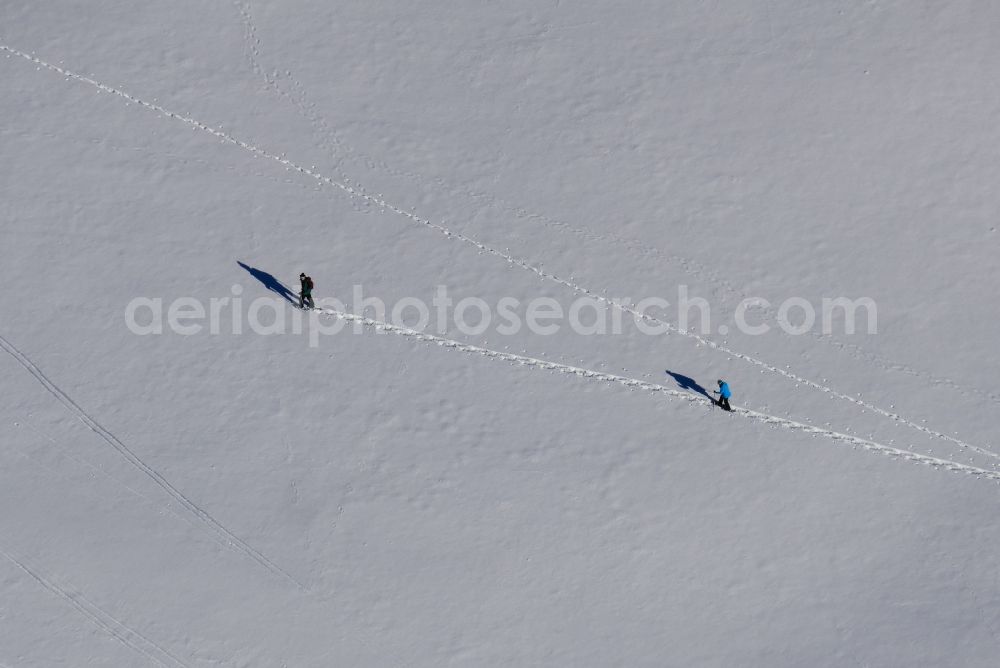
(271, 283)
(689, 384)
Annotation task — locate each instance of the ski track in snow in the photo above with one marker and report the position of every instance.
(222, 535)
(636, 384)
(61, 452)
(103, 620)
(330, 140)
(359, 192)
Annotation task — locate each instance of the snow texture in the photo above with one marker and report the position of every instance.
(401, 497)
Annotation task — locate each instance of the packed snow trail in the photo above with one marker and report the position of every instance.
(223, 535)
(377, 200)
(106, 622)
(633, 383)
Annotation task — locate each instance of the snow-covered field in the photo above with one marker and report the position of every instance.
(391, 498)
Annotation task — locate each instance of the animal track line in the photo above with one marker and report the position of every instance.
(106, 622)
(634, 383)
(223, 535)
(377, 200)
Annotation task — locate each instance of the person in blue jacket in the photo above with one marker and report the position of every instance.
(724, 394)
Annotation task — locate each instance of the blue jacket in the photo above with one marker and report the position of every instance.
(724, 391)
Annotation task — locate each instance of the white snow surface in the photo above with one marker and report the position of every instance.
(402, 498)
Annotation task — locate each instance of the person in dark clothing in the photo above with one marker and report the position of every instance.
(305, 295)
(724, 395)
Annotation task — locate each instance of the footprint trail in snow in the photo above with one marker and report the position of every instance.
(359, 192)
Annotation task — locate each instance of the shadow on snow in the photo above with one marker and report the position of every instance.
(689, 384)
(271, 283)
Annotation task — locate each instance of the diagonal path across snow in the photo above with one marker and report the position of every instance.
(330, 139)
(359, 192)
(103, 620)
(636, 384)
(222, 535)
